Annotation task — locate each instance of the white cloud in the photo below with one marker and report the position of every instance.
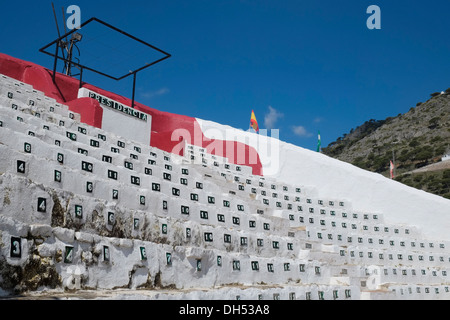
(272, 117)
(301, 131)
(318, 120)
(154, 93)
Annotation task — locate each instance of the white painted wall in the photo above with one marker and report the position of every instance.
(365, 190)
(123, 124)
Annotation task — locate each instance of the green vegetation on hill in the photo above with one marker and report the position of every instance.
(415, 139)
(437, 182)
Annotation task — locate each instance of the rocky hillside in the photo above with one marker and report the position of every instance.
(416, 139)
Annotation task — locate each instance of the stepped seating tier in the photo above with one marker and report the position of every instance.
(97, 211)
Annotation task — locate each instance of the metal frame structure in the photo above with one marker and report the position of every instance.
(57, 43)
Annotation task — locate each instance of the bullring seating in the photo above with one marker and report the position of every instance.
(109, 213)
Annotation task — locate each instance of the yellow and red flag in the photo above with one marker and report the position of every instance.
(254, 123)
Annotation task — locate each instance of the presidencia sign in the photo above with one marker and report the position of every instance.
(120, 119)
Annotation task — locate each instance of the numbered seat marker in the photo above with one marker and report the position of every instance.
(42, 205)
(16, 247)
(111, 218)
(143, 253)
(68, 255)
(21, 166)
(78, 211)
(106, 254)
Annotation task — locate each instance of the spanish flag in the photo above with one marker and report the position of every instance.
(254, 123)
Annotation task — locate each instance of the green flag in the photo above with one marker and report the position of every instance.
(319, 143)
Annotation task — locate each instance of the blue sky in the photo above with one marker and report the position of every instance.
(302, 66)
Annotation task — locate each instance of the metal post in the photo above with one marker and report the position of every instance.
(54, 64)
(134, 89)
(81, 78)
(393, 161)
(69, 57)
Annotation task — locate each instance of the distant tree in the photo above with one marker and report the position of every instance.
(389, 119)
(424, 154)
(433, 123)
(446, 174)
(439, 151)
(436, 139)
(414, 143)
(404, 156)
(435, 94)
(381, 163)
(359, 162)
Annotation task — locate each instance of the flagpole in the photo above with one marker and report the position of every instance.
(319, 142)
(393, 161)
